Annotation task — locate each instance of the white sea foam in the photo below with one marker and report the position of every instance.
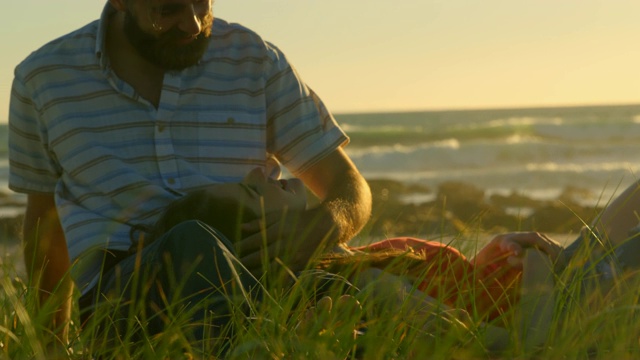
(349, 128)
(591, 131)
(518, 139)
(380, 151)
(525, 121)
(588, 167)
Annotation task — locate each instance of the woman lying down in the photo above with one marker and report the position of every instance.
(507, 285)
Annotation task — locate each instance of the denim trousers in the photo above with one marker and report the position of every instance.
(191, 271)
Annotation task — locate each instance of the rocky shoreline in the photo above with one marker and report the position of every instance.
(452, 208)
(458, 208)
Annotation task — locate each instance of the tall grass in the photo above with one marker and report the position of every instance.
(381, 321)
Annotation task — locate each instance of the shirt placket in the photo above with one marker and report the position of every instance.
(165, 154)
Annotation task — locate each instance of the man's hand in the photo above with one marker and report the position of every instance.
(289, 238)
(512, 245)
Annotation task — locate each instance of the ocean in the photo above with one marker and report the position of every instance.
(536, 152)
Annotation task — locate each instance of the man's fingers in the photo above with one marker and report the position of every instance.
(252, 260)
(515, 261)
(511, 247)
(250, 244)
(259, 254)
(251, 227)
(256, 261)
(547, 245)
(256, 225)
(535, 240)
(551, 247)
(274, 256)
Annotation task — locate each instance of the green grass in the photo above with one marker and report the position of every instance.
(279, 327)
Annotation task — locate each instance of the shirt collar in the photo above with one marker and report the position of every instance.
(101, 37)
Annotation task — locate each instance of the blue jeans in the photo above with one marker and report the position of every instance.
(190, 270)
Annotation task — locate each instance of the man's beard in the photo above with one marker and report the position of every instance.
(164, 50)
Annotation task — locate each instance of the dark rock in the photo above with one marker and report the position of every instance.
(514, 200)
(392, 190)
(457, 208)
(560, 217)
(573, 195)
(467, 202)
(460, 207)
(454, 191)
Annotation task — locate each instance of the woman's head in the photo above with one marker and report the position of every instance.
(263, 195)
(226, 206)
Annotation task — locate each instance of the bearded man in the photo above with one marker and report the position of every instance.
(114, 121)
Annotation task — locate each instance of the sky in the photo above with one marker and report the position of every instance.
(409, 55)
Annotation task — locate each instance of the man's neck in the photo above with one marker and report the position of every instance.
(145, 77)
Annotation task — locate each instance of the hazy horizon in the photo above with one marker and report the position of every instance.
(427, 55)
(478, 109)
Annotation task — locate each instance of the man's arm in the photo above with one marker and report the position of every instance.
(344, 209)
(345, 195)
(47, 261)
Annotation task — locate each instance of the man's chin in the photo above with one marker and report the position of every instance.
(178, 58)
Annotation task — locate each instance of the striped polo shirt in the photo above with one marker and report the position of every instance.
(113, 159)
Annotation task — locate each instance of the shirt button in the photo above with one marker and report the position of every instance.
(171, 181)
(231, 120)
(161, 127)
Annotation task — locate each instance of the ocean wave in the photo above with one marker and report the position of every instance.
(525, 121)
(607, 124)
(351, 128)
(517, 151)
(551, 131)
(584, 167)
(402, 149)
(519, 177)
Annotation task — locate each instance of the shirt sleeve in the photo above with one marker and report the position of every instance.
(300, 128)
(31, 166)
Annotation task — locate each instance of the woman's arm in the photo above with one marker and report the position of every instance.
(620, 216)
